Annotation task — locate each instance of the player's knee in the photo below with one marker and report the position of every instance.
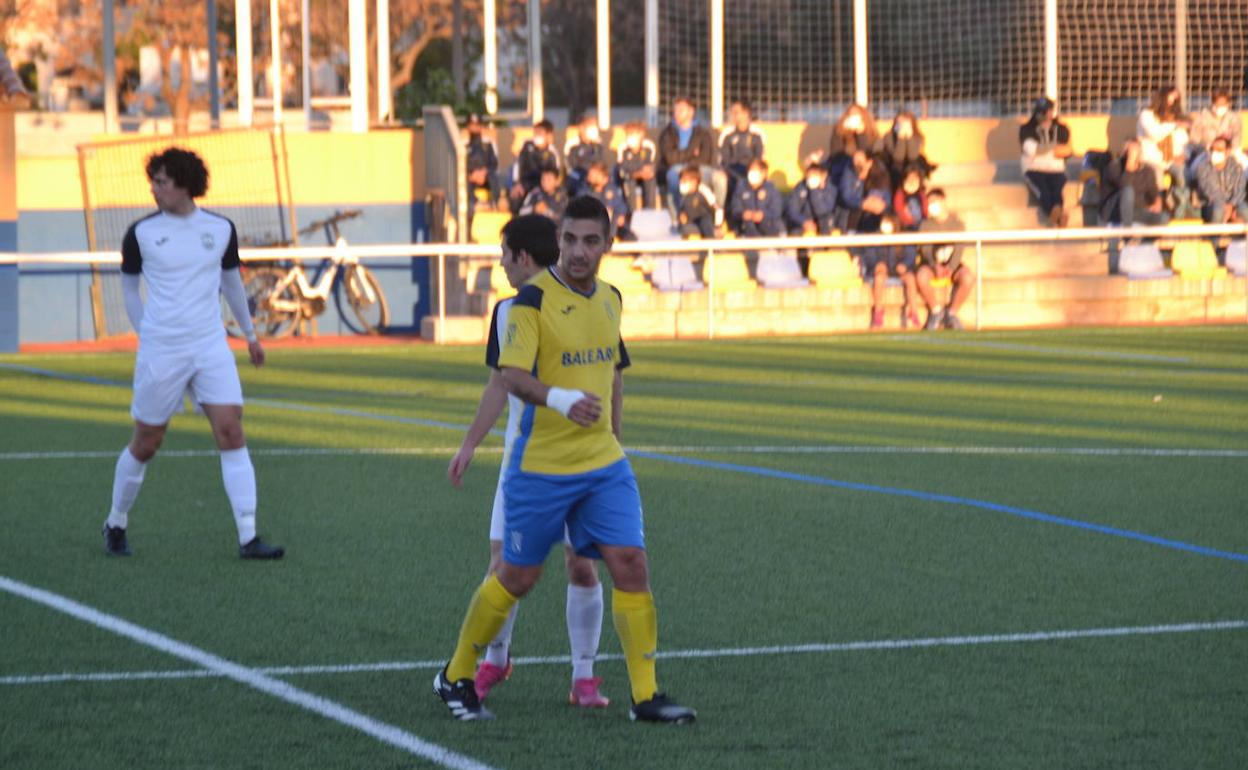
(629, 570)
(516, 579)
(145, 445)
(229, 435)
(581, 571)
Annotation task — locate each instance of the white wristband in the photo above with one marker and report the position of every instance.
(562, 399)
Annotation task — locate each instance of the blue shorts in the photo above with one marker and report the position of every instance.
(599, 507)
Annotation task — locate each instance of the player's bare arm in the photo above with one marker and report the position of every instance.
(583, 411)
(490, 407)
(617, 403)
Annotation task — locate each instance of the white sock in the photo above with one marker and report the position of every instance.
(127, 480)
(584, 628)
(240, 487)
(500, 648)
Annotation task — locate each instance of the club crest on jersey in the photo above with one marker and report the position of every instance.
(207, 240)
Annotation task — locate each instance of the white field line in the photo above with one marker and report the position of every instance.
(674, 449)
(216, 666)
(729, 652)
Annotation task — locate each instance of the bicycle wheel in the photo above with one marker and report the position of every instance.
(370, 312)
(260, 284)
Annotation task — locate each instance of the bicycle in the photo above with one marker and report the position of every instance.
(282, 297)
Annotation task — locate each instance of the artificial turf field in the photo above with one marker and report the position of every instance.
(999, 550)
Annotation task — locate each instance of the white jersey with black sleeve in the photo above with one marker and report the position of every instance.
(180, 259)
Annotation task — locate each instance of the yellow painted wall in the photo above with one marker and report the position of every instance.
(8, 166)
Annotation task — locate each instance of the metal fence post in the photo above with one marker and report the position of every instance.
(440, 337)
(710, 294)
(979, 284)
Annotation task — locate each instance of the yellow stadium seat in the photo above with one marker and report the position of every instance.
(731, 272)
(498, 282)
(487, 226)
(620, 273)
(834, 268)
(1195, 260)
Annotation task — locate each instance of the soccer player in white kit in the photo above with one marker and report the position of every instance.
(530, 245)
(187, 257)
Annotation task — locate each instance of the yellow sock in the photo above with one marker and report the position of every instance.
(637, 624)
(486, 613)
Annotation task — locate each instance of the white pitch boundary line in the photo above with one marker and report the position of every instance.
(687, 449)
(730, 652)
(217, 666)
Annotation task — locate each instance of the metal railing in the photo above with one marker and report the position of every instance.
(440, 251)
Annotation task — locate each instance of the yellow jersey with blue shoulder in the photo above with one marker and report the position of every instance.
(567, 339)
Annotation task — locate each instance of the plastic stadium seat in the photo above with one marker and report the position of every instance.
(652, 225)
(675, 274)
(487, 226)
(731, 272)
(779, 270)
(1142, 260)
(1195, 260)
(491, 279)
(620, 273)
(1237, 257)
(833, 268)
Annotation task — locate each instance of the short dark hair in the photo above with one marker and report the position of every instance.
(185, 168)
(589, 207)
(544, 125)
(685, 99)
(936, 192)
(534, 234)
(745, 105)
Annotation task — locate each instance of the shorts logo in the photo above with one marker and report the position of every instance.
(517, 541)
(207, 240)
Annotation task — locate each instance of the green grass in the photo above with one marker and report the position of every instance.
(383, 555)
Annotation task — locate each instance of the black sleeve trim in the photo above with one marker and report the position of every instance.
(491, 345)
(230, 259)
(625, 361)
(131, 257)
(529, 296)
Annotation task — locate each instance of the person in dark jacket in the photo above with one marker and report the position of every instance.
(537, 156)
(685, 142)
(942, 261)
(582, 151)
(1131, 193)
(740, 144)
(1045, 143)
(1220, 182)
(636, 167)
(482, 162)
(811, 207)
(863, 194)
(756, 208)
(549, 198)
(699, 212)
(902, 148)
(598, 184)
(856, 130)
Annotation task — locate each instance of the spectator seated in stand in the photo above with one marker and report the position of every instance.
(699, 213)
(863, 194)
(537, 155)
(483, 182)
(549, 198)
(942, 262)
(1163, 131)
(1220, 185)
(685, 142)
(1045, 143)
(856, 130)
(598, 184)
(1129, 190)
(740, 144)
(1218, 119)
(879, 263)
(583, 150)
(756, 208)
(811, 207)
(636, 168)
(902, 148)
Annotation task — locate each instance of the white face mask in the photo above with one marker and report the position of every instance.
(591, 134)
(633, 141)
(911, 188)
(935, 210)
(886, 227)
(854, 123)
(903, 129)
(755, 177)
(686, 188)
(1217, 158)
(814, 180)
(1221, 111)
(539, 141)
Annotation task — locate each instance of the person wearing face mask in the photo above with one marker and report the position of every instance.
(902, 147)
(537, 156)
(1218, 119)
(582, 151)
(756, 209)
(635, 167)
(482, 163)
(811, 207)
(942, 261)
(1163, 133)
(685, 142)
(863, 194)
(879, 263)
(598, 185)
(1132, 195)
(1220, 182)
(549, 198)
(740, 143)
(1046, 145)
(699, 213)
(856, 130)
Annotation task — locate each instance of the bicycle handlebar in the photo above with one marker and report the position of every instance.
(338, 216)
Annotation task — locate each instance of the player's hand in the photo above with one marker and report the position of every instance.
(255, 351)
(459, 465)
(586, 411)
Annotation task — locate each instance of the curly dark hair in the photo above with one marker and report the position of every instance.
(185, 168)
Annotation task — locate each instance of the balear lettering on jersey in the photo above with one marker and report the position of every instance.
(588, 356)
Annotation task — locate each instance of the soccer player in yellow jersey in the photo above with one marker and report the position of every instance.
(561, 355)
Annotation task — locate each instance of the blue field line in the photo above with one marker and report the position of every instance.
(735, 468)
(951, 499)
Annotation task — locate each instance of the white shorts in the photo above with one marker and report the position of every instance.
(161, 378)
(496, 516)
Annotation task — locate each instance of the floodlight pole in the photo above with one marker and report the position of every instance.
(110, 68)
(1050, 49)
(457, 48)
(603, 17)
(275, 58)
(214, 95)
(652, 62)
(717, 63)
(862, 92)
(489, 54)
(385, 99)
(1180, 47)
(537, 93)
(357, 18)
(243, 56)
(305, 39)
